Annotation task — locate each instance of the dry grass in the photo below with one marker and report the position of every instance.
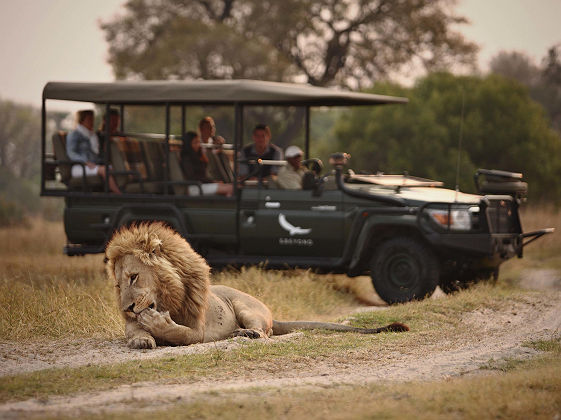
(57, 309)
(543, 253)
(39, 237)
(520, 394)
(435, 326)
(292, 294)
(45, 294)
(531, 391)
(534, 218)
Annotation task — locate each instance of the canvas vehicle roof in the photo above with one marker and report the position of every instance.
(252, 92)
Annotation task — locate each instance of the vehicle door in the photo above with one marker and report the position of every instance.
(291, 223)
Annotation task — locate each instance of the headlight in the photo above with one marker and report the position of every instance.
(456, 219)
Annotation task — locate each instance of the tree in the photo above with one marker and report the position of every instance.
(20, 146)
(322, 42)
(551, 90)
(543, 81)
(503, 128)
(20, 151)
(515, 65)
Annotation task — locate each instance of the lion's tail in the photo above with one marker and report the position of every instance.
(285, 327)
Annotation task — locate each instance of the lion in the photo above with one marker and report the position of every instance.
(164, 293)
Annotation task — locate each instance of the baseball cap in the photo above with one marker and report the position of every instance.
(293, 151)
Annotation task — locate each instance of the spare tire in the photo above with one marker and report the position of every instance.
(510, 187)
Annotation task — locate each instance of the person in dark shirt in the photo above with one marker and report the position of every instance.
(114, 123)
(193, 161)
(262, 148)
(195, 167)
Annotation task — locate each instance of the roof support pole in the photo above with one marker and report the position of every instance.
(43, 143)
(122, 118)
(238, 136)
(107, 145)
(166, 172)
(307, 132)
(183, 122)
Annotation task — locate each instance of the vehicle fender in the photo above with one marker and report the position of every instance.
(142, 213)
(376, 229)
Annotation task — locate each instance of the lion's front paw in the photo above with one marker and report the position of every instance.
(144, 342)
(154, 322)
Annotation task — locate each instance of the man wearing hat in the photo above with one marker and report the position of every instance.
(290, 176)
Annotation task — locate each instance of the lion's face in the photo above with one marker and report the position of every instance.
(137, 285)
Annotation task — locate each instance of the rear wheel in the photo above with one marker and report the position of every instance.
(403, 269)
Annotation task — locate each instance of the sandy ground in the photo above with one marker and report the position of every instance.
(501, 336)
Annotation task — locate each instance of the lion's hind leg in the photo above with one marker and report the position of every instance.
(255, 321)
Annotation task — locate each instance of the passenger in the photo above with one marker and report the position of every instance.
(219, 164)
(114, 122)
(195, 167)
(290, 176)
(262, 148)
(82, 145)
(207, 131)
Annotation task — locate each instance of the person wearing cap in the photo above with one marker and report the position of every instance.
(290, 176)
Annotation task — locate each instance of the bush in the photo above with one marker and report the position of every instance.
(11, 214)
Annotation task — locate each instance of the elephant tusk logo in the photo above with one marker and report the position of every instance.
(291, 229)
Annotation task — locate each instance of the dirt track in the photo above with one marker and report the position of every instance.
(501, 335)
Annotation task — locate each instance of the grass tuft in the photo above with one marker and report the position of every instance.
(553, 345)
(291, 295)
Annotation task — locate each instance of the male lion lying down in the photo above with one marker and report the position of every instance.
(164, 291)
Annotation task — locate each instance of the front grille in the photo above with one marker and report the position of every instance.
(501, 216)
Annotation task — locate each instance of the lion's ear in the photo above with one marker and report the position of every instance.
(110, 270)
(154, 245)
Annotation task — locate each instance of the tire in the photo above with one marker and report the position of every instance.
(450, 283)
(403, 269)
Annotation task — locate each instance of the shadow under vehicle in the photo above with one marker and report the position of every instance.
(409, 234)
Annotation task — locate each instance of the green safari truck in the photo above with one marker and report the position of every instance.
(409, 234)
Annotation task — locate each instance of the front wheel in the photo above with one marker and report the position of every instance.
(453, 282)
(403, 269)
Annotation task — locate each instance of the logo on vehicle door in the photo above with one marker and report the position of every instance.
(290, 228)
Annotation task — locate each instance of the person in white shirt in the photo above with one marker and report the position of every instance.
(290, 176)
(82, 145)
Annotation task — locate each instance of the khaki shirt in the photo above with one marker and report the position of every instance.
(289, 178)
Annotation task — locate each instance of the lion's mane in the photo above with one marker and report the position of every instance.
(183, 276)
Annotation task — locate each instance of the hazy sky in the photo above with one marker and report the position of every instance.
(43, 40)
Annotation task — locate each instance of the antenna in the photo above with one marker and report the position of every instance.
(460, 148)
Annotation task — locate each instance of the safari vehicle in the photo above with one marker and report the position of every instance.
(409, 234)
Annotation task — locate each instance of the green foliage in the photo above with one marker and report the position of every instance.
(17, 198)
(543, 81)
(20, 150)
(321, 41)
(20, 139)
(10, 213)
(502, 128)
